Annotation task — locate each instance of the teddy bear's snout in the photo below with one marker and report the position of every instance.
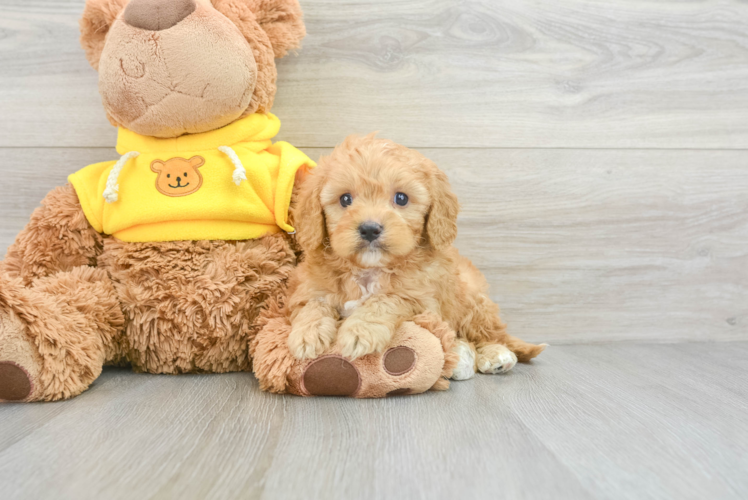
(157, 15)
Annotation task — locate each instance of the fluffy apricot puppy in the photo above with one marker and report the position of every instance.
(376, 221)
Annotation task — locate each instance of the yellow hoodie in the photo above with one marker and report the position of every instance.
(227, 184)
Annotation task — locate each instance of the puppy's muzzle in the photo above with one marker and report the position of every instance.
(370, 231)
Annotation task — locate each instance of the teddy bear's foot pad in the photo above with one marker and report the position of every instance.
(15, 383)
(414, 364)
(399, 360)
(331, 376)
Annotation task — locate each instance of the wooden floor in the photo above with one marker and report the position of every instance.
(583, 422)
(600, 153)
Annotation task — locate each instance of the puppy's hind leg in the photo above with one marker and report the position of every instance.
(497, 351)
(465, 368)
(495, 358)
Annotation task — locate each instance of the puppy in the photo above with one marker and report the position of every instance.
(376, 221)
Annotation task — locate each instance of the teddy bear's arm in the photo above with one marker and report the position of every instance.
(57, 238)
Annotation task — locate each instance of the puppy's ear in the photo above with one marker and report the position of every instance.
(98, 16)
(441, 225)
(308, 214)
(281, 20)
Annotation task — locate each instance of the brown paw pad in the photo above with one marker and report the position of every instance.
(331, 376)
(15, 384)
(399, 360)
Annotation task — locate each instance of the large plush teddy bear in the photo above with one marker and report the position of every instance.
(172, 257)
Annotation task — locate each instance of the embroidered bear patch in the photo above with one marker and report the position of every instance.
(177, 176)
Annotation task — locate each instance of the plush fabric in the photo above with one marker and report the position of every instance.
(272, 28)
(91, 279)
(428, 338)
(196, 76)
(214, 66)
(151, 208)
(156, 15)
(194, 306)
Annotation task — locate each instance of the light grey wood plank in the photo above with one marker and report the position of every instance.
(167, 437)
(463, 444)
(578, 245)
(635, 421)
(614, 421)
(436, 73)
(31, 174)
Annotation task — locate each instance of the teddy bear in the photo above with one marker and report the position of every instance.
(173, 257)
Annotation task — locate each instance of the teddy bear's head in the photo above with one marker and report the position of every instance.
(173, 67)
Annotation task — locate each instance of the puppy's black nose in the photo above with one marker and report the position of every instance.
(370, 231)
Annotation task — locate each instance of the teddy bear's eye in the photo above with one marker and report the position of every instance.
(185, 174)
(346, 200)
(168, 176)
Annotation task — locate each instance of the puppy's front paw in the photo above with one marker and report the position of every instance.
(358, 338)
(309, 340)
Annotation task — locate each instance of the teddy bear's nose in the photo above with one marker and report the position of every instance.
(157, 15)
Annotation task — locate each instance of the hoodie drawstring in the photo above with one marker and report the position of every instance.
(240, 173)
(112, 187)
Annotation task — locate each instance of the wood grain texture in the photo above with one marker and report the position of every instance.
(582, 422)
(578, 245)
(578, 73)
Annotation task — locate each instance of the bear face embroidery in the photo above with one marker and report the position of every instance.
(177, 176)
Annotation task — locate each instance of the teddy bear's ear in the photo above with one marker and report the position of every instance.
(157, 166)
(281, 20)
(196, 162)
(98, 16)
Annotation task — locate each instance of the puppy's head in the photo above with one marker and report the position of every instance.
(373, 202)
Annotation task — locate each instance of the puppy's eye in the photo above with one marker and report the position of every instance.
(168, 176)
(346, 200)
(401, 199)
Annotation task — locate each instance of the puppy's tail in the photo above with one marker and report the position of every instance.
(524, 351)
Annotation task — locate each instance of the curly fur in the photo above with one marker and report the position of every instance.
(161, 307)
(269, 349)
(57, 238)
(409, 270)
(193, 306)
(72, 320)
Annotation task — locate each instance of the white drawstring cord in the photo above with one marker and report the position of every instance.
(110, 193)
(240, 173)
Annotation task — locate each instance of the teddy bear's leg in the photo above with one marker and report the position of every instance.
(56, 335)
(419, 358)
(60, 319)
(57, 238)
